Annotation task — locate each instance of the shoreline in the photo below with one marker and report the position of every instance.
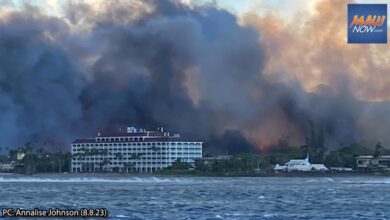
(117, 175)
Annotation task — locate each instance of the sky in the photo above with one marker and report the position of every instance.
(54, 7)
(283, 8)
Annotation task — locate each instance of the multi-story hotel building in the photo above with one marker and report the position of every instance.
(135, 150)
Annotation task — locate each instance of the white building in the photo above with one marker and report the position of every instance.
(300, 165)
(6, 164)
(370, 163)
(135, 150)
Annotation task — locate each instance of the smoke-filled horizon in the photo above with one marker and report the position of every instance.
(196, 70)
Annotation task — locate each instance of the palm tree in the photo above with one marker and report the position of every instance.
(60, 157)
(94, 151)
(378, 150)
(127, 165)
(30, 163)
(13, 153)
(154, 148)
(135, 156)
(28, 148)
(105, 162)
(66, 158)
(89, 167)
(101, 164)
(119, 155)
(39, 154)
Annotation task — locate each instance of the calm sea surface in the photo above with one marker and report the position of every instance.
(205, 198)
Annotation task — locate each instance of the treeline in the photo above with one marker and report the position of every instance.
(38, 160)
(345, 156)
(240, 163)
(251, 163)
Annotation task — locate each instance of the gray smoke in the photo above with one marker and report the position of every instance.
(193, 70)
(39, 85)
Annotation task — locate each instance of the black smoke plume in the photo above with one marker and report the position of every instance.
(194, 70)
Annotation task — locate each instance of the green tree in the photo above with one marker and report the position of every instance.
(346, 155)
(378, 150)
(119, 156)
(30, 164)
(179, 165)
(42, 157)
(200, 166)
(315, 140)
(12, 153)
(28, 147)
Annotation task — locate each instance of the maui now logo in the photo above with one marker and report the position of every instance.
(367, 23)
(359, 24)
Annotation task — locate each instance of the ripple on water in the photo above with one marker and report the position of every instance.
(206, 198)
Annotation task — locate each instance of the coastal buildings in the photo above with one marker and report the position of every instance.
(300, 165)
(369, 163)
(20, 155)
(135, 150)
(209, 161)
(6, 164)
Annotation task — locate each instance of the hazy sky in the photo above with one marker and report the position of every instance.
(286, 9)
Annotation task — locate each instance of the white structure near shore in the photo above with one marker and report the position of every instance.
(300, 165)
(6, 164)
(136, 150)
(371, 163)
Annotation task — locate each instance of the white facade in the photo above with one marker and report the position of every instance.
(366, 163)
(300, 165)
(7, 166)
(133, 151)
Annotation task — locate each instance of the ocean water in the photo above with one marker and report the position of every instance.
(205, 197)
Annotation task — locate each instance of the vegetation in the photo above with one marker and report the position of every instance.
(345, 156)
(38, 160)
(315, 143)
(179, 165)
(240, 164)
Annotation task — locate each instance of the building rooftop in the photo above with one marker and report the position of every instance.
(172, 139)
(136, 135)
(133, 134)
(371, 157)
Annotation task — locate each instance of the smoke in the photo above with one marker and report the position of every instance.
(348, 83)
(193, 69)
(39, 85)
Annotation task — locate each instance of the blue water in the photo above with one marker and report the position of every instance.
(205, 198)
